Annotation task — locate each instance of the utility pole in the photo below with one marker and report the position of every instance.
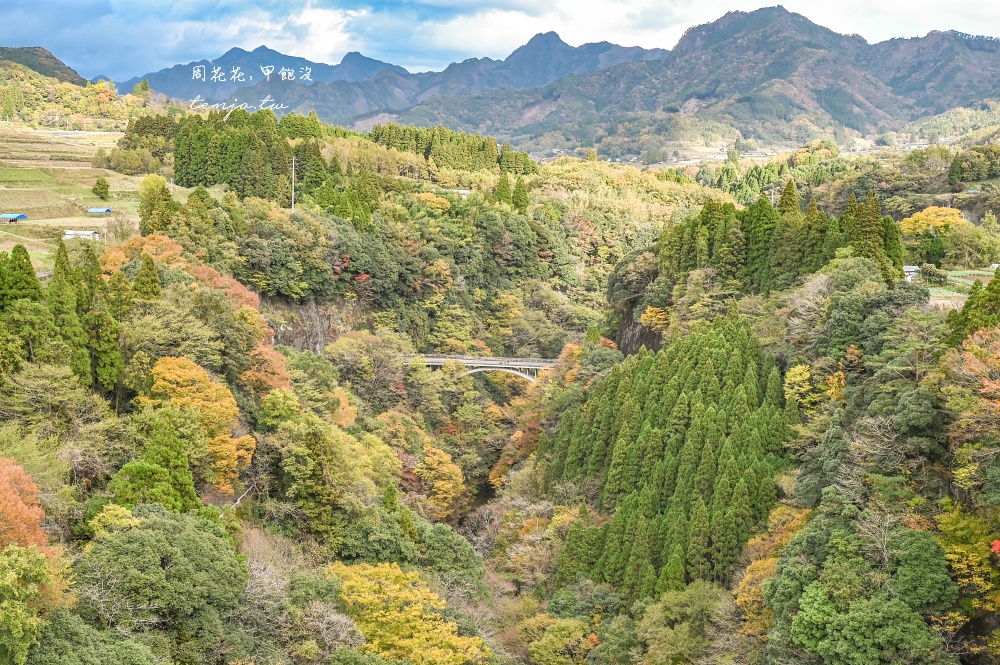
(293, 184)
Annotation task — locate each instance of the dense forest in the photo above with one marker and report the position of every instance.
(763, 441)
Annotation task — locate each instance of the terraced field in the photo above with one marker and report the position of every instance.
(48, 177)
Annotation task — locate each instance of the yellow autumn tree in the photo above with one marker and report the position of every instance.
(400, 617)
(934, 219)
(749, 596)
(655, 318)
(434, 202)
(183, 382)
(799, 388)
(763, 551)
(444, 481)
(836, 384)
(342, 412)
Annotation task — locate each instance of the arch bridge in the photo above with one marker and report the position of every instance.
(526, 368)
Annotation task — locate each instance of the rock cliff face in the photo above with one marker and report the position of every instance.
(310, 326)
(632, 336)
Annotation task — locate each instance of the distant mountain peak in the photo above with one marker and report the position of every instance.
(550, 37)
(352, 57)
(543, 41)
(236, 50)
(542, 45)
(355, 66)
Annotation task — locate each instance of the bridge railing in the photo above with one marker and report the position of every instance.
(480, 360)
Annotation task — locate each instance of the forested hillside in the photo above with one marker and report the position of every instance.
(48, 99)
(762, 441)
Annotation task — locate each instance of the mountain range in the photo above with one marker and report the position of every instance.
(544, 59)
(179, 82)
(769, 74)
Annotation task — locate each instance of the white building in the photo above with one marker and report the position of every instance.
(76, 234)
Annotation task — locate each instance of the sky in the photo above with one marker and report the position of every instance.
(126, 38)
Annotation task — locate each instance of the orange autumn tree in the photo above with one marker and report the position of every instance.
(267, 371)
(975, 395)
(163, 250)
(20, 514)
(32, 575)
(184, 383)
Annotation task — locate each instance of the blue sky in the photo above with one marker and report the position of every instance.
(125, 38)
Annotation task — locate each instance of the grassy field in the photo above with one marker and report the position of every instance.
(48, 177)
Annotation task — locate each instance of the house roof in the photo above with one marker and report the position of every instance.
(13, 215)
(99, 211)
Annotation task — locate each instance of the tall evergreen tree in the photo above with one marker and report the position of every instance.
(981, 310)
(811, 239)
(147, 282)
(892, 239)
(673, 574)
(698, 564)
(502, 190)
(105, 354)
(759, 221)
(955, 171)
(88, 277)
(19, 280)
(508, 159)
(118, 295)
(786, 256)
(731, 258)
(156, 206)
(315, 175)
(61, 299)
(866, 234)
(520, 197)
(833, 239)
(789, 204)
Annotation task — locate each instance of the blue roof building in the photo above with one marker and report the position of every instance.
(13, 216)
(99, 211)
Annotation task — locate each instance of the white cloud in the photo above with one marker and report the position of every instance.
(493, 33)
(497, 30)
(315, 33)
(142, 35)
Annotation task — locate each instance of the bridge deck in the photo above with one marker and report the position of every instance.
(485, 361)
